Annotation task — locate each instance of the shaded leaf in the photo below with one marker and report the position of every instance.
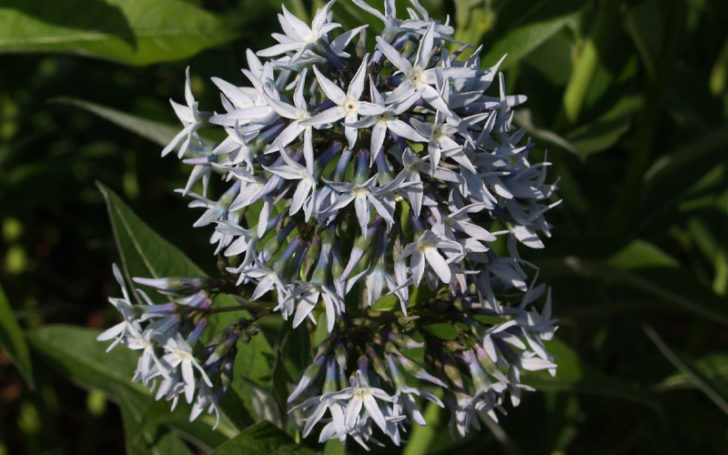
(673, 285)
(575, 376)
(700, 382)
(606, 130)
(535, 23)
(12, 340)
(157, 132)
(713, 366)
(150, 442)
(76, 354)
(135, 32)
(262, 439)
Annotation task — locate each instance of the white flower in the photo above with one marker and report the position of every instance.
(298, 36)
(179, 354)
(348, 106)
(190, 116)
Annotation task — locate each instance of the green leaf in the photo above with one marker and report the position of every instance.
(670, 178)
(424, 436)
(144, 253)
(12, 340)
(669, 283)
(700, 381)
(135, 32)
(262, 439)
(713, 366)
(606, 130)
(441, 330)
(76, 354)
(575, 376)
(640, 254)
(150, 443)
(157, 132)
(534, 23)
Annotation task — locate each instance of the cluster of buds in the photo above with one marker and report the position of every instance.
(356, 168)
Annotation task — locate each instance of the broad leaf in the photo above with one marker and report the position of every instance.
(135, 32)
(144, 253)
(76, 354)
(149, 442)
(606, 130)
(524, 25)
(573, 375)
(12, 340)
(262, 439)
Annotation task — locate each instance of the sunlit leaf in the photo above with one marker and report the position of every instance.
(135, 32)
(144, 253)
(534, 23)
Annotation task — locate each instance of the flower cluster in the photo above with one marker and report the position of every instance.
(174, 357)
(355, 169)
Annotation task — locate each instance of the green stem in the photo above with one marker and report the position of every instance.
(422, 437)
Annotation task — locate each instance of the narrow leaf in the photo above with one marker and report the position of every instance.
(157, 132)
(12, 340)
(262, 439)
(699, 381)
(76, 354)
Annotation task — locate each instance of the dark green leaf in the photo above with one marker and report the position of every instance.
(700, 381)
(159, 133)
(154, 442)
(143, 252)
(533, 23)
(573, 375)
(76, 354)
(262, 439)
(671, 284)
(12, 340)
(442, 330)
(135, 32)
(604, 132)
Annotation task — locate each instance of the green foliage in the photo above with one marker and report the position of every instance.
(75, 353)
(143, 252)
(13, 340)
(157, 132)
(262, 439)
(135, 32)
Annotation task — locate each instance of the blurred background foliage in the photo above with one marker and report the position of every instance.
(629, 97)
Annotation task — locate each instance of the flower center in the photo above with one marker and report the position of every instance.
(184, 355)
(302, 115)
(362, 393)
(439, 134)
(350, 106)
(383, 119)
(418, 78)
